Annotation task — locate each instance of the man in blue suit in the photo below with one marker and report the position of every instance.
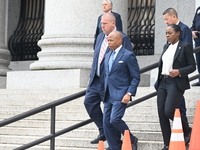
(107, 7)
(171, 17)
(196, 35)
(122, 77)
(95, 90)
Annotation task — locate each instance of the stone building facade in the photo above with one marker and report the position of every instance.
(66, 45)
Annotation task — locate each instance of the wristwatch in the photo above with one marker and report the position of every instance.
(129, 93)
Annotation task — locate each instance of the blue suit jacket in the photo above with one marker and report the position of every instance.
(118, 25)
(126, 43)
(186, 35)
(196, 26)
(124, 75)
(196, 21)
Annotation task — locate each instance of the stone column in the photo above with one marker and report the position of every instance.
(197, 4)
(67, 45)
(4, 52)
(69, 31)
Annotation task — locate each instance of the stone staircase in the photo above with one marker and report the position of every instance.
(141, 118)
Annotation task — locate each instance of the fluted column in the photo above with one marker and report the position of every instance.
(4, 52)
(68, 33)
(67, 45)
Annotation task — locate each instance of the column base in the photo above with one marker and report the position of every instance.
(48, 79)
(64, 53)
(4, 61)
(3, 82)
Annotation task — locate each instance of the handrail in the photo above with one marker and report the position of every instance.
(52, 106)
(42, 108)
(154, 65)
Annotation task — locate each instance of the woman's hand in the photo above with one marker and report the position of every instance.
(173, 73)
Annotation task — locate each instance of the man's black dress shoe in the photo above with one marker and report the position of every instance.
(165, 147)
(134, 144)
(99, 138)
(187, 137)
(196, 84)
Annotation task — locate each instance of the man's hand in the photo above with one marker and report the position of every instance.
(193, 34)
(126, 99)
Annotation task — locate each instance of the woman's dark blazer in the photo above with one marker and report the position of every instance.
(183, 61)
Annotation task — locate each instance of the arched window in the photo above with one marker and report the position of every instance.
(141, 21)
(23, 43)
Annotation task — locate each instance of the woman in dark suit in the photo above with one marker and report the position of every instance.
(176, 62)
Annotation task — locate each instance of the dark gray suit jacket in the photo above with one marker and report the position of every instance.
(183, 61)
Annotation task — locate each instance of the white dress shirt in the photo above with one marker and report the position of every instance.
(168, 58)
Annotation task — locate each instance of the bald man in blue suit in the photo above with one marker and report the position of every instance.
(122, 77)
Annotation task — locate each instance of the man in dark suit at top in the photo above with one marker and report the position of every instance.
(107, 7)
(170, 16)
(95, 90)
(122, 77)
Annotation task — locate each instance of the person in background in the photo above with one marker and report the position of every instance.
(95, 90)
(107, 6)
(196, 35)
(122, 77)
(176, 62)
(170, 16)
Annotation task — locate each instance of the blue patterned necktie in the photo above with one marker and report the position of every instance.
(111, 60)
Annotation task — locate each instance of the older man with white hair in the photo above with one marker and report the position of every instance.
(107, 6)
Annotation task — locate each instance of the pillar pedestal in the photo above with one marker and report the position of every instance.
(4, 52)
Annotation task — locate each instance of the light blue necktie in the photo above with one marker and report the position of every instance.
(111, 60)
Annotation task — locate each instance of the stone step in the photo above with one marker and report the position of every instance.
(75, 142)
(81, 132)
(144, 145)
(142, 119)
(79, 109)
(40, 125)
(143, 131)
(63, 122)
(13, 146)
(34, 97)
